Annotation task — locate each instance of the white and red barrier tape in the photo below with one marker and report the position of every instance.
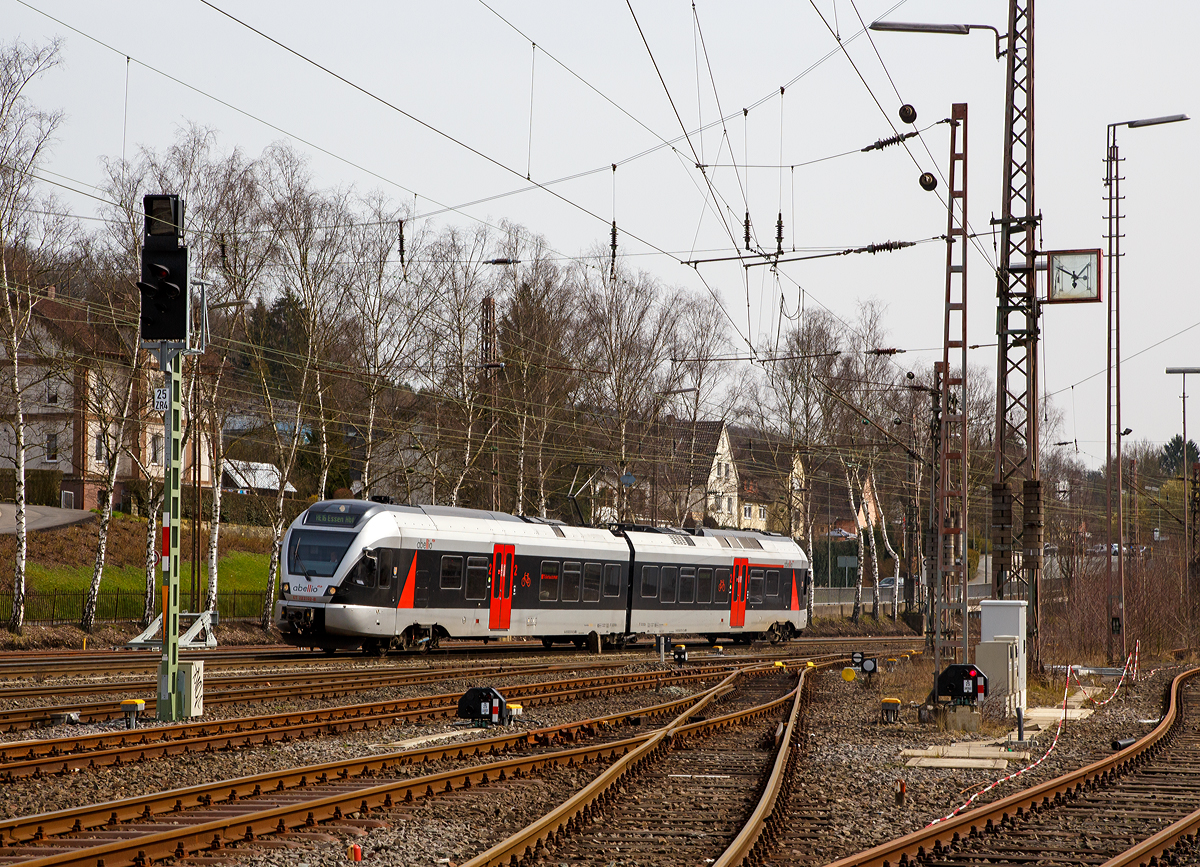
(1130, 665)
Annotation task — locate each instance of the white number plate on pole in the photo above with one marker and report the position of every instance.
(162, 399)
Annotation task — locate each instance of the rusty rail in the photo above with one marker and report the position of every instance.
(177, 840)
(580, 808)
(973, 822)
(750, 841)
(23, 758)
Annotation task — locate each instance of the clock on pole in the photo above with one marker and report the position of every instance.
(1073, 276)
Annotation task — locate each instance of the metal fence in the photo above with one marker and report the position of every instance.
(113, 606)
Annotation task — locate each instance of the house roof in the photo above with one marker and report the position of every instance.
(256, 475)
(764, 463)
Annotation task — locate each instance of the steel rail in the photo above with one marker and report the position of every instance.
(283, 678)
(26, 664)
(579, 806)
(177, 840)
(58, 756)
(26, 828)
(309, 686)
(931, 839)
(11, 751)
(758, 831)
(1152, 851)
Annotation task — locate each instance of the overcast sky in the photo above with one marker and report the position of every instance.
(459, 107)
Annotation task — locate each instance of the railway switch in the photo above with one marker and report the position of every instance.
(889, 711)
(484, 706)
(133, 708)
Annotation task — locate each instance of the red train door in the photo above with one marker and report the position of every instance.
(500, 613)
(737, 602)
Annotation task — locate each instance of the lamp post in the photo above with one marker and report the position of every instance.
(1113, 430)
(1187, 535)
(952, 29)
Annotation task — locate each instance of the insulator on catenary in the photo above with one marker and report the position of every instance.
(613, 264)
(885, 247)
(888, 142)
(402, 243)
(747, 230)
(779, 234)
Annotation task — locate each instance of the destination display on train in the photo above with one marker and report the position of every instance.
(332, 519)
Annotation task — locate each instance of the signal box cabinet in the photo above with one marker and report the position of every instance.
(999, 659)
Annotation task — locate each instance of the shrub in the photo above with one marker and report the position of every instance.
(42, 487)
(252, 510)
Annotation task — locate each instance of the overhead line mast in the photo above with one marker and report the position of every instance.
(953, 444)
(1017, 553)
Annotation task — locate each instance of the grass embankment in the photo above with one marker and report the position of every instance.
(62, 559)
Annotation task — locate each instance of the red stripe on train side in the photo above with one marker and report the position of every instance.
(410, 585)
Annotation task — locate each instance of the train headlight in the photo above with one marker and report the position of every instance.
(285, 587)
(330, 590)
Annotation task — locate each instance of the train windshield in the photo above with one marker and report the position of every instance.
(316, 553)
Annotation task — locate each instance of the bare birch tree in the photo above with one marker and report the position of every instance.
(540, 377)
(630, 322)
(117, 364)
(310, 230)
(388, 313)
(25, 135)
(459, 426)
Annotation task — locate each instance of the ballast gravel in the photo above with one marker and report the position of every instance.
(849, 769)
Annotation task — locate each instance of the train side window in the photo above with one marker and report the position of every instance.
(478, 570)
(649, 581)
(723, 586)
(804, 576)
(591, 582)
(704, 585)
(548, 589)
(387, 566)
(687, 584)
(452, 573)
(363, 573)
(755, 593)
(670, 578)
(612, 579)
(772, 582)
(570, 582)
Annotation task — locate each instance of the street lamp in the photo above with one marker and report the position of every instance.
(1112, 181)
(1187, 536)
(952, 29)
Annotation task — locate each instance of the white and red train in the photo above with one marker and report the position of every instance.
(362, 574)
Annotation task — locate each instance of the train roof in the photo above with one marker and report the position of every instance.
(352, 513)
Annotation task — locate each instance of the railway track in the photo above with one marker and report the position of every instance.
(349, 798)
(60, 755)
(22, 665)
(1133, 807)
(321, 684)
(683, 804)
